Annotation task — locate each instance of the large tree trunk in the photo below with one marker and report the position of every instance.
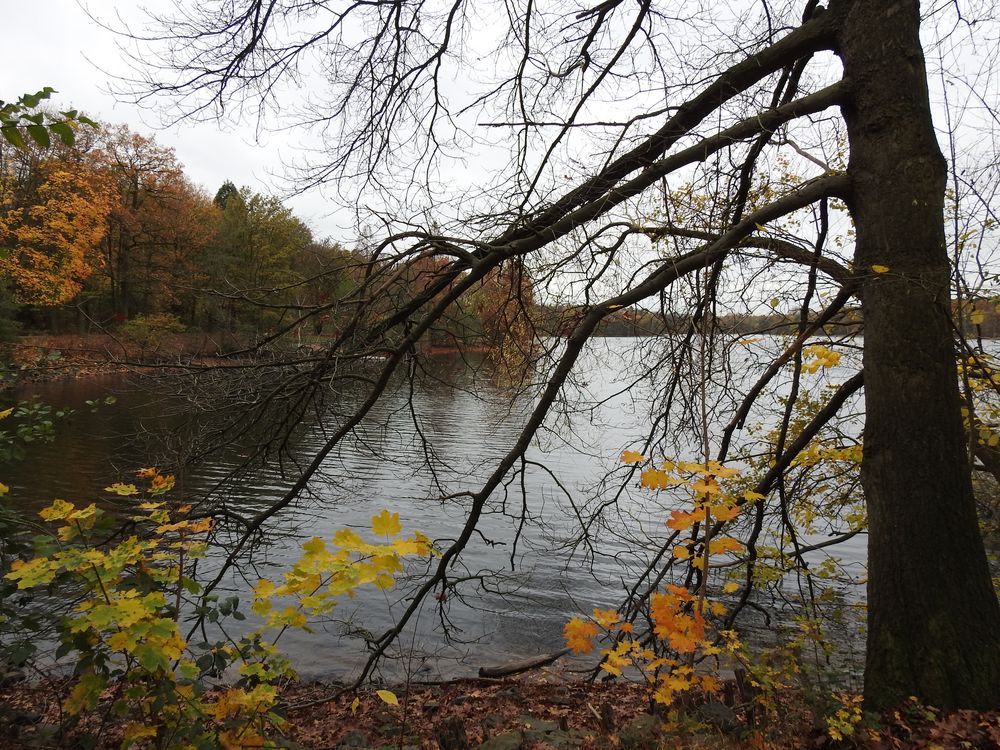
(933, 617)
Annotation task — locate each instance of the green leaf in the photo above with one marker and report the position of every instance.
(162, 628)
(187, 671)
(19, 653)
(39, 134)
(13, 136)
(32, 100)
(151, 658)
(64, 131)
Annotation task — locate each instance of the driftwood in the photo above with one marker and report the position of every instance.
(523, 665)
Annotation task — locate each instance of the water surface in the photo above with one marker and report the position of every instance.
(458, 420)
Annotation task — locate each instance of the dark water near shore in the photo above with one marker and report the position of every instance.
(468, 421)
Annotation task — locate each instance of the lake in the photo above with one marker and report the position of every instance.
(440, 436)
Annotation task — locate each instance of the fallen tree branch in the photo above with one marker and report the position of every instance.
(522, 665)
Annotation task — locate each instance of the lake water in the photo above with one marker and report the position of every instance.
(458, 420)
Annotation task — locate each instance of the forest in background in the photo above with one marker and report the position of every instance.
(110, 235)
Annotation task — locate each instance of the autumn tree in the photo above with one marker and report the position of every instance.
(52, 222)
(670, 157)
(158, 229)
(49, 207)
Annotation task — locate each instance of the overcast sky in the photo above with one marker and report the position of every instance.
(54, 43)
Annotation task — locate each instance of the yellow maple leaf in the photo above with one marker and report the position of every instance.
(710, 684)
(680, 520)
(386, 524)
(880, 269)
(405, 547)
(264, 589)
(724, 544)
(706, 487)
(314, 546)
(611, 668)
(166, 528)
(123, 640)
(579, 635)
(119, 488)
(85, 693)
(655, 479)
(202, 524)
(150, 506)
(726, 512)
(606, 617)
(349, 540)
(632, 457)
(58, 510)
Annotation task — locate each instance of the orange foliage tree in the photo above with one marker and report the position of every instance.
(158, 226)
(51, 239)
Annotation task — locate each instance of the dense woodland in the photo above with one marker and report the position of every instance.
(110, 235)
(110, 232)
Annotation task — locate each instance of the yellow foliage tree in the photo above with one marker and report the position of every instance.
(51, 243)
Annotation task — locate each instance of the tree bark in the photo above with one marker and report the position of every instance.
(933, 616)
